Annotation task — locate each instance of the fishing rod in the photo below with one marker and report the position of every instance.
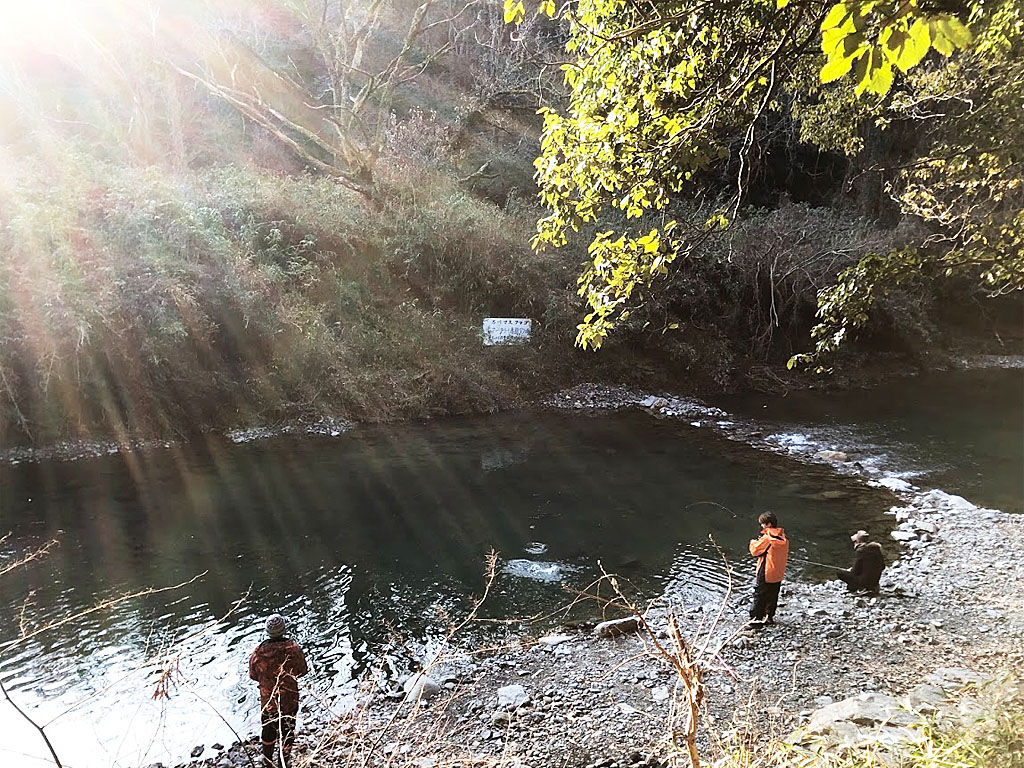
(791, 557)
(814, 562)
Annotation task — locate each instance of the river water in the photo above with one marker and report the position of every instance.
(373, 541)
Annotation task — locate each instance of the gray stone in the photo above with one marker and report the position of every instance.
(421, 687)
(554, 639)
(512, 696)
(863, 709)
(926, 698)
(616, 627)
(954, 678)
(831, 456)
(500, 718)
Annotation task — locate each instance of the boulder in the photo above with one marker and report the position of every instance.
(893, 484)
(864, 709)
(512, 696)
(833, 495)
(554, 639)
(945, 500)
(925, 698)
(954, 678)
(831, 456)
(421, 686)
(616, 627)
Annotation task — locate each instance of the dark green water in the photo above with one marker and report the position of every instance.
(960, 431)
(378, 532)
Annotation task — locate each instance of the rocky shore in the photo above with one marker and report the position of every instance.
(835, 666)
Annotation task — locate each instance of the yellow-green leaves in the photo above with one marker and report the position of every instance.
(872, 37)
(515, 11)
(618, 267)
(906, 47)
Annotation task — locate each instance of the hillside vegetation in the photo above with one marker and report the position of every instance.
(217, 216)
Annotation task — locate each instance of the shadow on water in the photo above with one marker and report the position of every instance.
(381, 531)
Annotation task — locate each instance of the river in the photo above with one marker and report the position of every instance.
(372, 542)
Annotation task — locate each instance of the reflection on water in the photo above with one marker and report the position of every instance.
(378, 532)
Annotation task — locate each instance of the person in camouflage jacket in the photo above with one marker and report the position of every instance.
(276, 665)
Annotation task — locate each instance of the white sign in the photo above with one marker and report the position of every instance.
(506, 330)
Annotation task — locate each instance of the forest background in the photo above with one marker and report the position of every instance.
(225, 214)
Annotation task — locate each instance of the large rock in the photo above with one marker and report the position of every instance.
(954, 678)
(512, 696)
(863, 709)
(925, 698)
(554, 639)
(831, 456)
(616, 627)
(943, 500)
(421, 686)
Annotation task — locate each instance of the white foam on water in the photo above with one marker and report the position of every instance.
(537, 570)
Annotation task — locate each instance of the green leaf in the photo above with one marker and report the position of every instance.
(835, 67)
(940, 42)
(880, 79)
(835, 18)
(861, 72)
(914, 46)
(955, 31)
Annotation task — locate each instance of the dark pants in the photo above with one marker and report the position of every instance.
(277, 725)
(856, 583)
(766, 600)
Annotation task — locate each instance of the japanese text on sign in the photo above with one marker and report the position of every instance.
(506, 330)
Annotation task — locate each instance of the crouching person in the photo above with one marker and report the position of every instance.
(276, 665)
(868, 564)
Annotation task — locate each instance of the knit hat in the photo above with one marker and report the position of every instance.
(275, 625)
(860, 537)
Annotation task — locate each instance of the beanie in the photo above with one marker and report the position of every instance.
(275, 625)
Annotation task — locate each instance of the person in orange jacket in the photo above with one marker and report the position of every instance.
(276, 665)
(771, 549)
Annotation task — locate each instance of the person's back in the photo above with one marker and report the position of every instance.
(868, 564)
(277, 664)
